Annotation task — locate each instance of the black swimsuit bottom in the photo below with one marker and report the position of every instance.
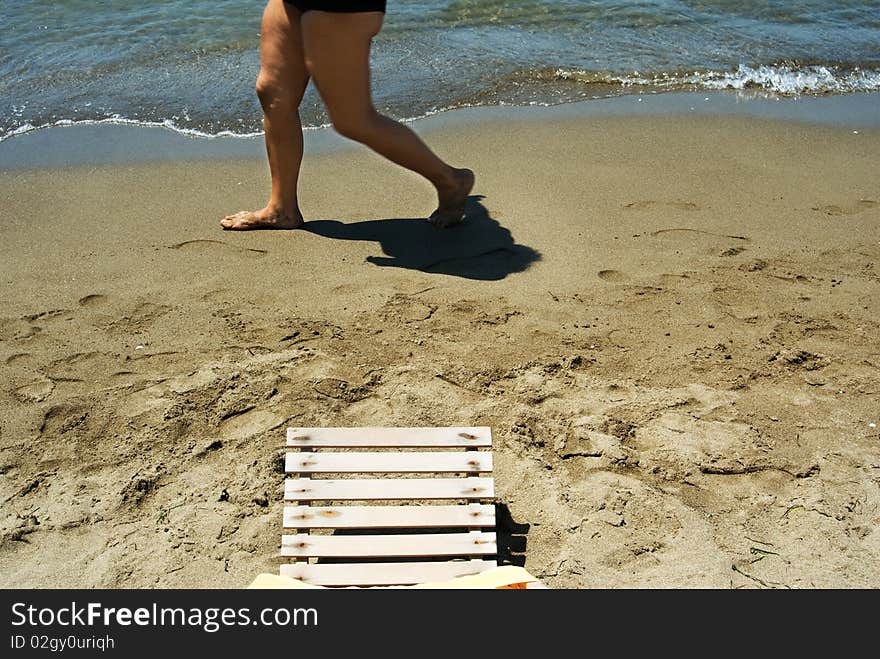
(338, 6)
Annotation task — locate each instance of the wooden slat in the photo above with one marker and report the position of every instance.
(390, 437)
(306, 489)
(382, 574)
(304, 545)
(312, 462)
(388, 517)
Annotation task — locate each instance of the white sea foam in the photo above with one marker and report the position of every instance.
(169, 124)
(118, 120)
(791, 81)
(781, 80)
(24, 128)
(778, 79)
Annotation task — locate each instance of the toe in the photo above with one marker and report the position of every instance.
(445, 220)
(236, 221)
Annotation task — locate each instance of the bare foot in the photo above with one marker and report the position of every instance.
(262, 219)
(450, 210)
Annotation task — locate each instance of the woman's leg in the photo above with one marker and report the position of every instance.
(337, 53)
(280, 87)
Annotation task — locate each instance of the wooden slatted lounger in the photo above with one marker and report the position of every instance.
(460, 504)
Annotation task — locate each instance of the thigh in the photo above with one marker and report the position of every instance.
(282, 58)
(337, 55)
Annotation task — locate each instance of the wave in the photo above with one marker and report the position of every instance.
(552, 86)
(118, 120)
(781, 79)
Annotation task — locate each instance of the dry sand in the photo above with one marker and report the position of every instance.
(672, 326)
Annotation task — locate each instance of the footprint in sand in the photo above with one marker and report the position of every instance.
(63, 418)
(341, 390)
(611, 275)
(147, 311)
(82, 366)
(651, 203)
(403, 308)
(850, 209)
(138, 317)
(19, 359)
(250, 423)
(685, 230)
(92, 300)
(217, 246)
(800, 279)
(709, 242)
(671, 279)
(161, 357)
(626, 337)
(36, 392)
(17, 329)
(125, 378)
(218, 295)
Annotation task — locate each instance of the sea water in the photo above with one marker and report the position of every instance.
(191, 64)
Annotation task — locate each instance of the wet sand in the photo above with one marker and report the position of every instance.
(671, 323)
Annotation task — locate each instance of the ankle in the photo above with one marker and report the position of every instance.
(283, 209)
(448, 181)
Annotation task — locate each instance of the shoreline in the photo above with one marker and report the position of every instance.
(670, 323)
(110, 143)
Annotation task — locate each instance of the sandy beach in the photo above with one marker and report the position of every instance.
(671, 324)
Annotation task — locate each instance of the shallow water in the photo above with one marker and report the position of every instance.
(191, 64)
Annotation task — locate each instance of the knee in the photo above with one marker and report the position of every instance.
(272, 93)
(354, 126)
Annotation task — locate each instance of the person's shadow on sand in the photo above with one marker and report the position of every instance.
(480, 248)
